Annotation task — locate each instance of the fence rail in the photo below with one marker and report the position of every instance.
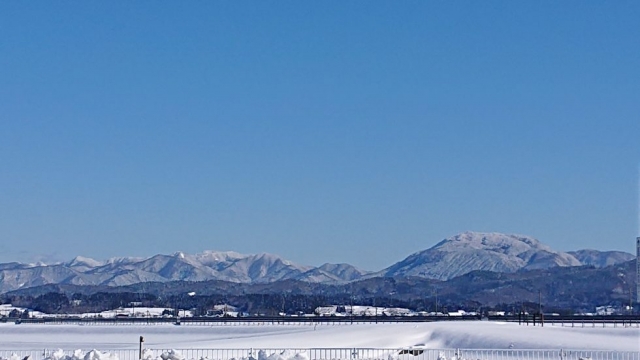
(630, 320)
(413, 353)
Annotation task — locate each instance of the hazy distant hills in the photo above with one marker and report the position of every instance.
(601, 259)
(455, 256)
(210, 265)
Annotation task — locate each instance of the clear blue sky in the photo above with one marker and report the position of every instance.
(332, 131)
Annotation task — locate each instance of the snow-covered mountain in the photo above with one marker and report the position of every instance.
(333, 273)
(601, 259)
(209, 265)
(83, 263)
(344, 271)
(469, 251)
(451, 257)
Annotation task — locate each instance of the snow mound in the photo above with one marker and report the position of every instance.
(81, 355)
(284, 355)
(262, 355)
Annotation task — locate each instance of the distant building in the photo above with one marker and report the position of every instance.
(605, 310)
(215, 312)
(457, 313)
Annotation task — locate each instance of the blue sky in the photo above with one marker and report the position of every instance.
(352, 132)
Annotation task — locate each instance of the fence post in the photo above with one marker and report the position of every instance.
(140, 349)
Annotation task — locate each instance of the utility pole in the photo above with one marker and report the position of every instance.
(436, 301)
(283, 304)
(539, 302)
(351, 308)
(375, 308)
(540, 308)
(630, 301)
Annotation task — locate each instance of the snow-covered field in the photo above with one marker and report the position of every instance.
(434, 335)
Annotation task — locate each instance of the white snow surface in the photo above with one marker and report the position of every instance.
(434, 335)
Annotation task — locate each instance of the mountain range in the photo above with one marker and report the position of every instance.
(452, 257)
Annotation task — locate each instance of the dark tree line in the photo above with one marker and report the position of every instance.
(253, 304)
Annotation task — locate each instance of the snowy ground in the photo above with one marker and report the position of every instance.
(435, 335)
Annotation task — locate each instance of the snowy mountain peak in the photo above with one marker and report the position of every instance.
(84, 261)
(219, 255)
(344, 271)
(469, 251)
(218, 259)
(492, 241)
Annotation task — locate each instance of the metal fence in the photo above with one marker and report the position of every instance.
(615, 320)
(341, 354)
